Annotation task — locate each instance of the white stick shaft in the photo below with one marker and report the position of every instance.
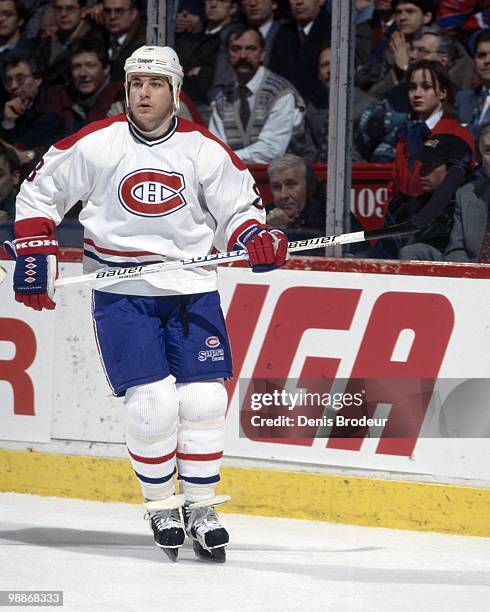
(141, 271)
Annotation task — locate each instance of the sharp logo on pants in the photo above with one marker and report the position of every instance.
(213, 354)
(152, 193)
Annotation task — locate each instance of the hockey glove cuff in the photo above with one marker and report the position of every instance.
(36, 269)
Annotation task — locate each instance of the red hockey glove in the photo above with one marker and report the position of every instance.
(36, 270)
(267, 247)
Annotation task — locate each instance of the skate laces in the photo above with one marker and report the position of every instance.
(204, 519)
(165, 519)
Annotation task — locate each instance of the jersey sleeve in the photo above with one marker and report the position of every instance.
(60, 179)
(229, 191)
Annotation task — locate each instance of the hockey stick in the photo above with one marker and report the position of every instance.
(421, 220)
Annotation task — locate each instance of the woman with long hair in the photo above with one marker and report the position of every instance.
(431, 102)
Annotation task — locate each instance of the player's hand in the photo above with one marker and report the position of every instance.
(36, 270)
(267, 247)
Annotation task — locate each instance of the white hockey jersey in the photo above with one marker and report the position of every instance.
(145, 201)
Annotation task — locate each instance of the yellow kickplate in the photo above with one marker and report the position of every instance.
(445, 508)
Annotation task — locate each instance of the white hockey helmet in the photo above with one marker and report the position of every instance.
(162, 61)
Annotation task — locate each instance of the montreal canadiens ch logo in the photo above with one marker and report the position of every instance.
(212, 342)
(152, 193)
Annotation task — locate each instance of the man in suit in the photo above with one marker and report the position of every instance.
(199, 54)
(260, 14)
(125, 32)
(297, 44)
(470, 236)
(55, 48)
(474, 104)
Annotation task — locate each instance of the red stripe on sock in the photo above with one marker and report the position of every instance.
(202, 457)
(152, 459)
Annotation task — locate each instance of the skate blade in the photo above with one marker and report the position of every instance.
(172, 553)
(214, 555)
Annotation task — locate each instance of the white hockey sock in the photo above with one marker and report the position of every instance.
(151, 416)
(201, 437)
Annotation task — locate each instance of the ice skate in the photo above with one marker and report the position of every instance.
(166, 522)
(204, 527)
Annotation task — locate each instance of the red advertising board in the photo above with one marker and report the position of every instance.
(369, 193)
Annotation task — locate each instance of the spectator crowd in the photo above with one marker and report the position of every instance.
(257, 75)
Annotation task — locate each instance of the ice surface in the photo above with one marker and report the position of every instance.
(103, 557)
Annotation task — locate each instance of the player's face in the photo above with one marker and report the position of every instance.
(482, 61)
(324, 63)
(409, 18)
(258, 12)
(19, 82)
(9, 20)
(245, 54)
(118, 16)
(485, 152)
(289, 190)
(305, 11)
(88, 72)
(432, 175)
(425, 96)
(151, 101)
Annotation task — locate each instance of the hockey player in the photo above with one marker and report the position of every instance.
(154, 187)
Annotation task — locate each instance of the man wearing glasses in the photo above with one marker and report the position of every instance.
(20, 120)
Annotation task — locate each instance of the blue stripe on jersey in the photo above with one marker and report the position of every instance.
(156, 141)
(119, 264)
(155, 480)
(197, 480)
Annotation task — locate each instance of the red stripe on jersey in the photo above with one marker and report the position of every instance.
(113, 252)
(152, 460)
(184, 125)
(95, 126)
(202, 457)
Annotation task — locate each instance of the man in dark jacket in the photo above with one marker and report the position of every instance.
(437, 155)
(299, 200)
(297, 45)
(21, 122)
(125, 32)
(91, 93)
